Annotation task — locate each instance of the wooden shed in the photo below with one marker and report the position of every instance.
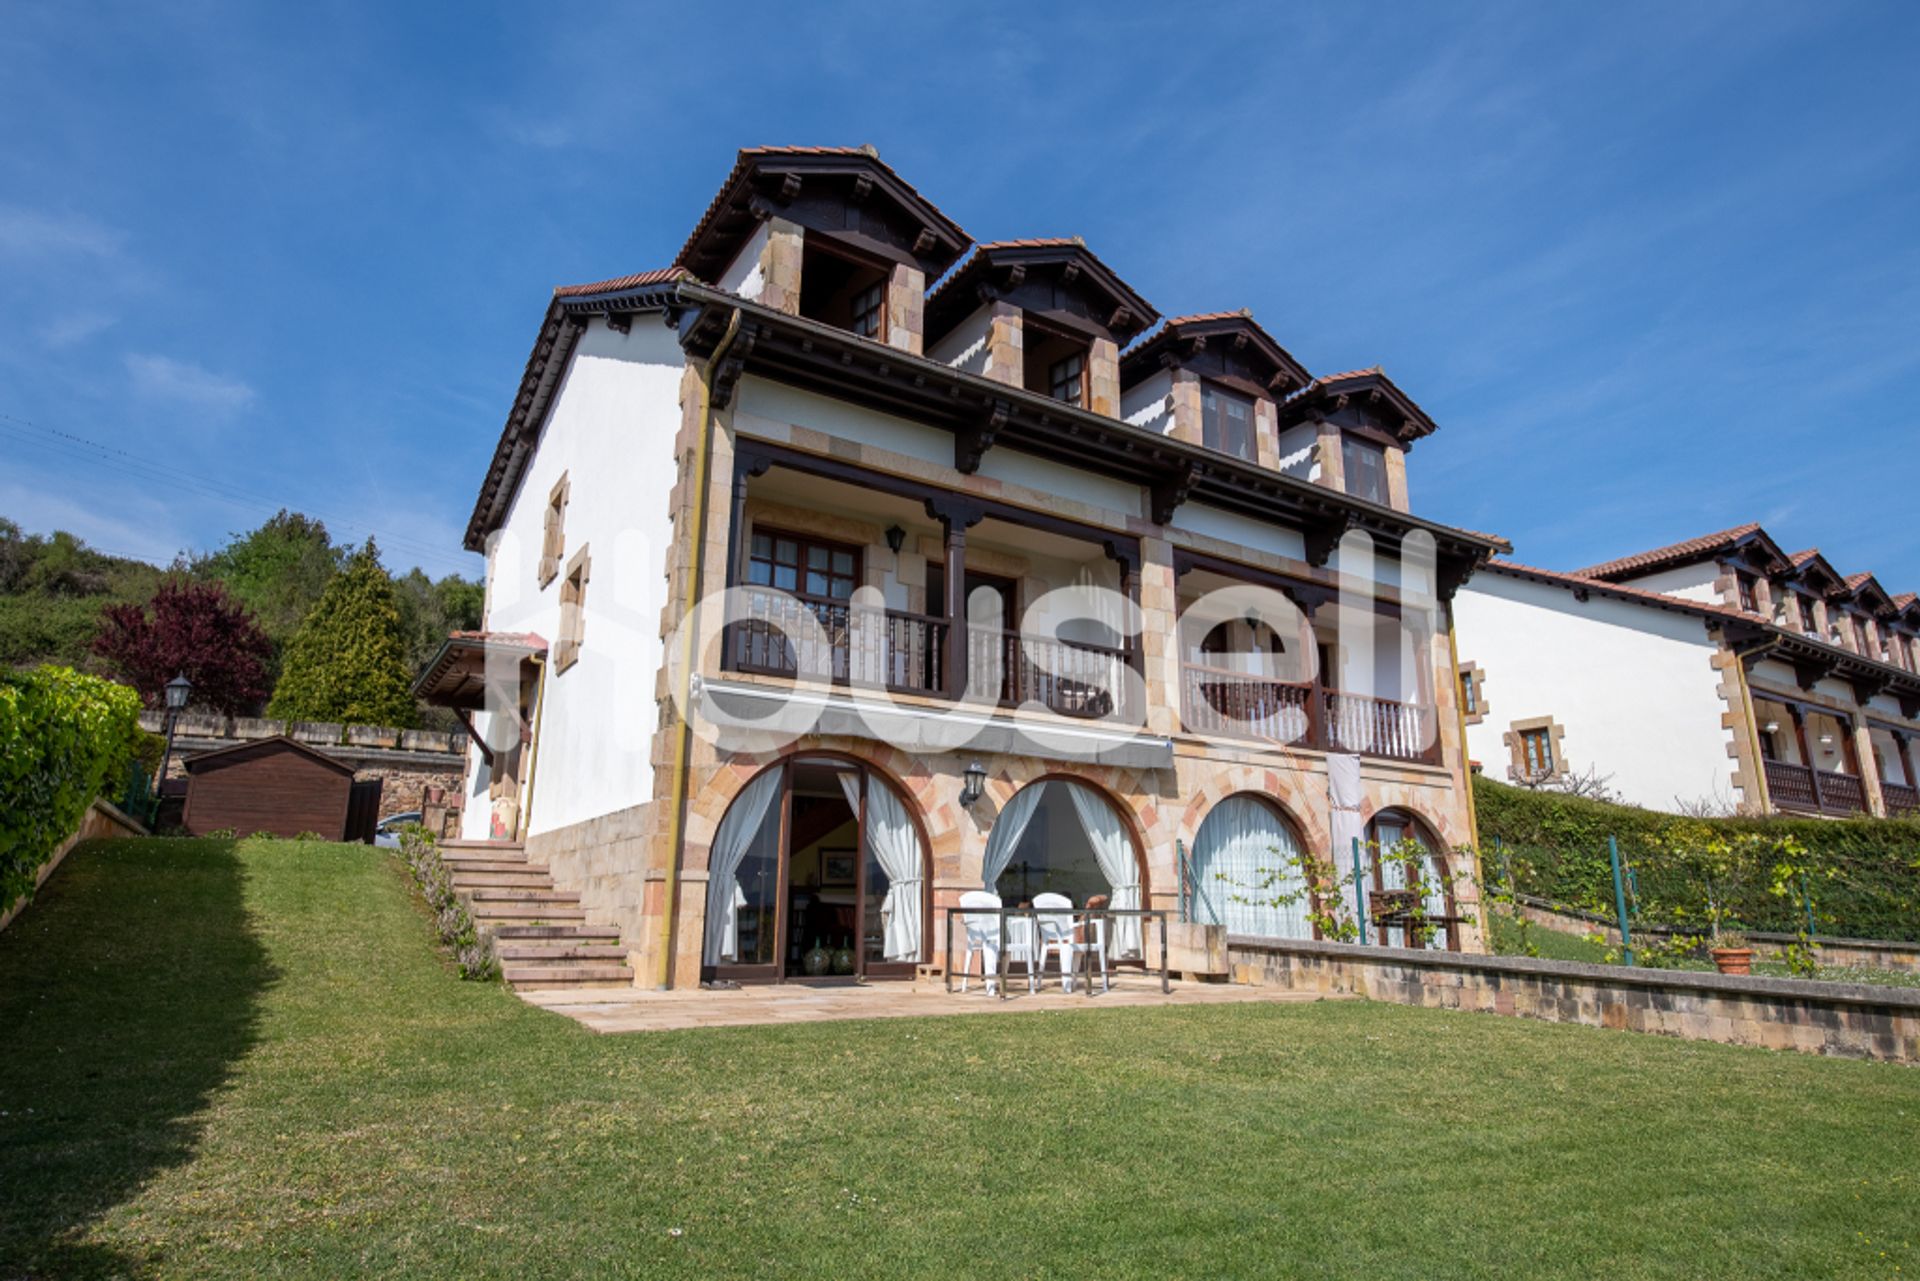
(280, 786)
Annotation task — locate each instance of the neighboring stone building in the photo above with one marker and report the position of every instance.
(1719, 670)
(1190, 581)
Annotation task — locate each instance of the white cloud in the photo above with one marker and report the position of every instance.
(164, 378)
(74, 327)
(29, 232)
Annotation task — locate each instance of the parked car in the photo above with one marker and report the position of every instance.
(386, 833)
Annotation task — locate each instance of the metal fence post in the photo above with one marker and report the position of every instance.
(1806, 897)
(1359, 895)
(1620, 900)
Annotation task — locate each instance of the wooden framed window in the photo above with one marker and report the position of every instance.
(573, 612)
(1748, 601)
(1863, 635)
(1470, 691)
(803, 565)
(870, 311)
(1808, 622)
(1067, 379)
(1365, 464)
(1536, 751)
(554, 543)
(1226, 422)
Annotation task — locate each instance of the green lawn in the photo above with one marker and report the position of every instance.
(249, 1061)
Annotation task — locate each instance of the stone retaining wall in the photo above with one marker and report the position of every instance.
(102, 819)
(1834, 950)
(1848, 1020)
(407, 761)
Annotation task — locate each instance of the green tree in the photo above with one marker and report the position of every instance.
(348, 661)
(278, 571)
(52, 590)
(429, 610)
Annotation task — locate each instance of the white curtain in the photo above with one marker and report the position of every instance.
(1244, 858)
(743, 825)
(1114, 852)
(1347, 801)
(894, 843)
(1007, 831)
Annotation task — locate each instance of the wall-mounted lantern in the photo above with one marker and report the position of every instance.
(973, 785)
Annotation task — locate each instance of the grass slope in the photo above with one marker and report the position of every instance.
(248, 1061)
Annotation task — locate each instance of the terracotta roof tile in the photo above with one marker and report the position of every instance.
(1040, 242)
(1801, 558)
(1906, 600)
(1668, 554)
(1856, 581)
(526, 640)
(1245, 313)
(618, 283)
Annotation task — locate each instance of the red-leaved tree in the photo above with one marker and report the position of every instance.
(191, 629)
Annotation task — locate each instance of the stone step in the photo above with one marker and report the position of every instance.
(601, 974)
(578, 934)
(528, 878)
(527, 914)
(511, 950)
(503, 846)
(463, 866)
(517, 894)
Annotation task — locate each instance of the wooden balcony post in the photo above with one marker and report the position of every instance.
(1905, 744)
(1806, 754)
(956, 515)
(1866, 765)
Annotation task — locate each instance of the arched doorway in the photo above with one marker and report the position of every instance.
(1402, 853)
(1062, 836)
(1246, 871)
(819, 855)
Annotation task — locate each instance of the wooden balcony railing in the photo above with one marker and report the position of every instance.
(903, 651)
(1066, 677)
(1795, 787)
(1900, 798)
(1215, 700)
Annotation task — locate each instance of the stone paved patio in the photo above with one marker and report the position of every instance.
(640, 1010)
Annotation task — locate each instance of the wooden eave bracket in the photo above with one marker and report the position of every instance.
(972, 441)
(1452, 573)
(1166, 494)
(733, 365)
(1867, 684)
(1808, 672)
(1322, 533)
(486, 753)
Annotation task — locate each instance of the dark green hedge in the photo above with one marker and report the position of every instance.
(64, 738)
(1865, 880)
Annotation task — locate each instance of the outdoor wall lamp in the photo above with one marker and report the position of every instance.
(896, 538)
(973, 785)
(1771, 727)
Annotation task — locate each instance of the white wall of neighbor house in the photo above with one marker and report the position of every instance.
(1148, 403)
(1689, 582)
(1297, 456)
(1632, 686)
(965, 346)
(746, 275)
(611, 430)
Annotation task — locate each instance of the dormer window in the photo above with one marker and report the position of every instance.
(1056, 362)
(1365, 465)
(1226, 422)
(843, 291)
(1807, 621)
(1748, 601)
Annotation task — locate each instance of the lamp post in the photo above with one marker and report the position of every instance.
(179, 689)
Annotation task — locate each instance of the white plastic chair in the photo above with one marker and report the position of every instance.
(983, 937)
(1056, 934)
(1097, 946)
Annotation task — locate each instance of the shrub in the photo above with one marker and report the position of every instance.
(472, 950)
(1862, 875)
(64, 738)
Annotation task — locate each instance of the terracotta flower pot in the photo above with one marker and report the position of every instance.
(1733, 960)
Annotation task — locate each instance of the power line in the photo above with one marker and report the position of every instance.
(72, 445)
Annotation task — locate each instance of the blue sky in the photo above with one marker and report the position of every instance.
(1654, 268)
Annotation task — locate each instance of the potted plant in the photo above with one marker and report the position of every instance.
(1731, 952)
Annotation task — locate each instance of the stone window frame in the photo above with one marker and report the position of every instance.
(554, 533)
(1515, 740)
(1474, 677)
(573, 611)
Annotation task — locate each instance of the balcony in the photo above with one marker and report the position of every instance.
(1811, 791)
(1219, 702)
(905, 652)
(1900, 799)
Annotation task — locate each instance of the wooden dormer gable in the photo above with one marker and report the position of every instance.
(1868, 595)
(1365, 401)
(1057, 282)
(1813, 574)
(1228, 348)
(842, 194)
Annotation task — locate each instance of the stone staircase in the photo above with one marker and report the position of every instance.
(540, 933)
